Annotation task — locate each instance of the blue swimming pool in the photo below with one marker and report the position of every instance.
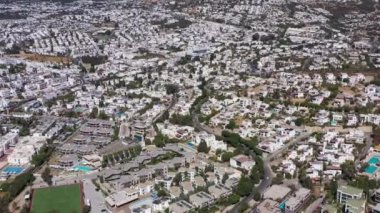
(147, 201)
(82, 168)
(13, 170)
(370, 169)
(374, 160)
(282, 206)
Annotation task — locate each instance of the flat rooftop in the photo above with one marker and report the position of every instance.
(276, 192)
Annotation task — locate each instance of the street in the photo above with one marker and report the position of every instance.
(268, 173)
(313, 206)
(96, 197)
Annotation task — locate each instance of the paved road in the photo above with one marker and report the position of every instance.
(172, 102)
(96, 197)
(312, 207)
(365, 149)
(293, 141)
(268, 173)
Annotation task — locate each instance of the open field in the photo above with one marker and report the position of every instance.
(43, 58)
(62, 199)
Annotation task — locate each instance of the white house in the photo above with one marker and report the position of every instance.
(210, 141)
(242, 162)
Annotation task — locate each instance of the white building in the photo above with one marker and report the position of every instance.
(160, 205)
(23, 152)
(345, 193)
(210, 141)
(242, 162)
(122, 197)
(6, 141)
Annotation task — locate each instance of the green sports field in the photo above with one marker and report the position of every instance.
(60, 199)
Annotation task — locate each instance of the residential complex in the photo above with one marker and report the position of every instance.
(190, 106)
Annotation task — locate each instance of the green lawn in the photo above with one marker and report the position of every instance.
(60, 199)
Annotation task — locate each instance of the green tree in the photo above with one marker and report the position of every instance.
(255, 175)
(46, 176)
(332, 189)
(348, 170)
(209, 168)
(299, 121)
(86, 209)
(42, 155)
(244, 187)
(102, 115)
(94, 112)
(288, 176)
(162, 193)
(171, 89)
(278, 179)
(225, 178)
(226, 156)
(15, 186)
(363, 166)
(70, 114)
(24, 209)
(177, 179)
(243, 207)
(183, 120)
(24, 131)
(307, 182)
(160, 140)
(257, 196)
(202, 147)
(115, 135)
(233, 199)
(231, 125)
(4, 202)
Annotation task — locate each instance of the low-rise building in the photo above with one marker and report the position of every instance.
(181, 206)
(355, 206)
(298, 201)
(348, 192)
(201, 199)
(219, 191)
(68, 160)
(120, 198)
(377, 196)
(276, 192)
(242, 162)
(159, 205)
(267, 206)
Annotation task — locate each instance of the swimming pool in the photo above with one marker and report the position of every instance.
(82, 168)
(13, 170)
(370, 169)
(148, 201)
(374, 160)
(282, 206)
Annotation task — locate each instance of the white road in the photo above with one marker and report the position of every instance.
(96, 197)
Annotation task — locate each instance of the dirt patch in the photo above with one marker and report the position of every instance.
(346, 90)
(297, 100)
(43, 58)
(256, 89)
(239, 120)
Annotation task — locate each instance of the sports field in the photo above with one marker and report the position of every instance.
(59, 199)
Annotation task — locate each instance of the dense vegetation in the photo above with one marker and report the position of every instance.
(183, 120)
(12, 188)
(42, 155)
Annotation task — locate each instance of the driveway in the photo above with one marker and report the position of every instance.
(312, 207)
(96, 197)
